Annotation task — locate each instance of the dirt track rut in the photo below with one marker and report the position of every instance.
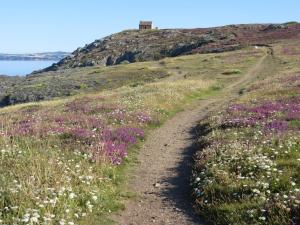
(161, 180)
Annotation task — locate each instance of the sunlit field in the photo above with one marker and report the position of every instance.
(247, 171)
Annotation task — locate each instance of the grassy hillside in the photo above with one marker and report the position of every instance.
(138, 46)
(247, 170)
(94, 79)
(70, 155)
(85, 69)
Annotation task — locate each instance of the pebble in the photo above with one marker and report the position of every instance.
(157, 185)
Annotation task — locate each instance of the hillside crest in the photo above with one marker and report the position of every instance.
(137, 46)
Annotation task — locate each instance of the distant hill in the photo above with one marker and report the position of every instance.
(49, 56)
(91, 69)
(138, 46)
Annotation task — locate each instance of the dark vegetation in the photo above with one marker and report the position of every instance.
(70, 82)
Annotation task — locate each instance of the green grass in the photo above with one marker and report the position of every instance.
(54, 174)
(230, 72)
(225, 198)
(51, 85)
(45, 165)
(248, 174)
(295, 123)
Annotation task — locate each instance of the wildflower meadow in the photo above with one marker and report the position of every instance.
(247, 171)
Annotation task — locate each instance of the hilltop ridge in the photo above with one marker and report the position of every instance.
(137, 46)
(89, 69)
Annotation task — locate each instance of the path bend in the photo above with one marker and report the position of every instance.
(161, 179)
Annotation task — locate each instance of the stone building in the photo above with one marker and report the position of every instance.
(145, 25)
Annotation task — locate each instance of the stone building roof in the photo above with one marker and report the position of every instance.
(146, 23)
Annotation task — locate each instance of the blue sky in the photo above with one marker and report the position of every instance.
(50, 25)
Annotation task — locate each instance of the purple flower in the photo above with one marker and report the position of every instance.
(236, 108)
(80, 133)
(118, 114)
(79, 106)
(116, 152)
(143, 118)
(276, 126)
(122, 135)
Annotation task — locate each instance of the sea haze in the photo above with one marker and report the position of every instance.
(22, 68)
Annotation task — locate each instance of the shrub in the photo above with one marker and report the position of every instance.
(231, 72)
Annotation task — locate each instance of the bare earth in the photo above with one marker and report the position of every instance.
(161, 180)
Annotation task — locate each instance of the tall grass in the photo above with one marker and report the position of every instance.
(63, 161)
(247, 171)
(58, 159)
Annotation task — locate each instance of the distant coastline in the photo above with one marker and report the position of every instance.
(46, 56)
(23, 67)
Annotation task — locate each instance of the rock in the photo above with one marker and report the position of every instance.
(157, 185)
(178, 210)
(274, 27)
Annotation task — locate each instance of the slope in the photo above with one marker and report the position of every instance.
(71, 155)
(136, 46)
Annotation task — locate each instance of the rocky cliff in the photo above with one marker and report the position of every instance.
(136, 46)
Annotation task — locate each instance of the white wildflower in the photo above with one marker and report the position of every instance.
(72, 195)
(34, 219)
(256, 191)
(262, 218)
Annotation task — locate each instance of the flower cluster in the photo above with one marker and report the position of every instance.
(105, 130)
(248, 169)
(272, 116)
(71, 195)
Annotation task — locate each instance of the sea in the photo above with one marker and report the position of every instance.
(22, 68)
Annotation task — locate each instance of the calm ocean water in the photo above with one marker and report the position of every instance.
(22, 68)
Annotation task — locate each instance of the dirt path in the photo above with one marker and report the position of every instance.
(161, 180)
